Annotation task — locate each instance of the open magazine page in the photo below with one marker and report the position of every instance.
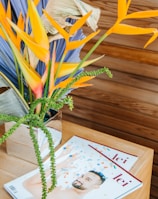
(83, 172)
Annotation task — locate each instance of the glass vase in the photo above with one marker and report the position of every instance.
(20, 145)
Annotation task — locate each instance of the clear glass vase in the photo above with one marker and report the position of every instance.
(20, 145)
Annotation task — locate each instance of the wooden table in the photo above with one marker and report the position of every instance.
(11, 167)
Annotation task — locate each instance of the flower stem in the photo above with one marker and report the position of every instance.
(59, 67)
(89, 54)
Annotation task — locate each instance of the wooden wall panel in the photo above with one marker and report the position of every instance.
(125, 106)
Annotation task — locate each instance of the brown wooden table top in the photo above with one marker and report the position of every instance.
(12, 167)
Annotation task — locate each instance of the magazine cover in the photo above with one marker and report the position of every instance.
(83, 172)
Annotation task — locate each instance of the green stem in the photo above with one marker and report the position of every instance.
(47, 81)
(101, 39)
(59, 66)
(30, 95)
(22, 84)
(17, 71)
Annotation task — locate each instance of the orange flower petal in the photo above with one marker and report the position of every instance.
(142, 14)
(131, 30)
(79, 83)
(31, 76)
(36, 2)
(41, 52)
(69, 67)
(20, 24)
(57, 26)
(79, 23)
(75, 44)
(39, 33)
(152, 39)
(2, 11)
(8, 14)
(121, 8)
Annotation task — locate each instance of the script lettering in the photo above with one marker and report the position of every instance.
(123, 182)
(117, 159)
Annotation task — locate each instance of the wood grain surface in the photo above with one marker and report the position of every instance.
(12, 167)
(125, 106)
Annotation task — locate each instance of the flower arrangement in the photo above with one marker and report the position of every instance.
(40, 59)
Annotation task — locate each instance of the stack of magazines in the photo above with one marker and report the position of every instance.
(85, 170)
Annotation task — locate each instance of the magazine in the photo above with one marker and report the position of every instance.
(85, 170)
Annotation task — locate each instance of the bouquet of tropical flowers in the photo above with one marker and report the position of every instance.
(40, 60)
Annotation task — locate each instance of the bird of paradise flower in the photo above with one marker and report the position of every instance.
(39, 45)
